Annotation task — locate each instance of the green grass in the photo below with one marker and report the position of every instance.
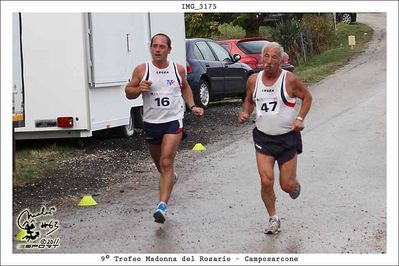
(33, 164)
(338, 55)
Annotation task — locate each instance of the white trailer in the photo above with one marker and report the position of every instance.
(72, 69)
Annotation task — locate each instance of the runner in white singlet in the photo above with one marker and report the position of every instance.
(273, 92)
(162, 84)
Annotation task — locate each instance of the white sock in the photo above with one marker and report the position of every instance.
(275, 216)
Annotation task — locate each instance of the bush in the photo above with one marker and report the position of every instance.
(288, 34)
(305, 36)
(321, 30)
(229, 31)
(266, 31)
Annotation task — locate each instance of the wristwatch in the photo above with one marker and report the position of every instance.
(299, 118)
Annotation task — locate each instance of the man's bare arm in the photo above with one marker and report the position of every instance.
(249, 105)
(187, 93)
(299, 90)
(135, 87)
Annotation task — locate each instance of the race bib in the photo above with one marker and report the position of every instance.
(162, 100)
(267, 106)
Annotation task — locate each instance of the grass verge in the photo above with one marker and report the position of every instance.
(320, 66)
(32, 164)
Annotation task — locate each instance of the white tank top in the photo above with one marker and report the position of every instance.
(275, 109)
(163, 103)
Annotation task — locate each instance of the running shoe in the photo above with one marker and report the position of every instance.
(273, 226)
(160, 213)
(297, 190)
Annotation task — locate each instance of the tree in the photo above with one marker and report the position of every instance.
(200, 25)
(250, 22)
(206, 24)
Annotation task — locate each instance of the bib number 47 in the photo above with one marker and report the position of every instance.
(269, 107)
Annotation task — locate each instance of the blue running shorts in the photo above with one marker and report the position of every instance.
(155, 132)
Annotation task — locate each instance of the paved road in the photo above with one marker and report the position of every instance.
(216, 206)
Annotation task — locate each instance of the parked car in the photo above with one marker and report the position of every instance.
(346, 18)
(250, 50)
(214, 73)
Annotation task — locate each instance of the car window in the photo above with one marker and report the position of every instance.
(225, 46)
(202, 51)
(252, 47)
(198, 53)
(220, 52)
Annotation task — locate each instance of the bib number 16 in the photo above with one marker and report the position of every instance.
(162, 102)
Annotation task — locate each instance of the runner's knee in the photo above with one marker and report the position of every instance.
(287, 185)
(267, 182)
(166, 164)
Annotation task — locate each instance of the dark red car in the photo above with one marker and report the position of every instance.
(250, 50)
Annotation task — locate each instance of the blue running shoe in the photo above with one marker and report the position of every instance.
(160, 213)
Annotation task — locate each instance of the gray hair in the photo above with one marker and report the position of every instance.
(274, 45)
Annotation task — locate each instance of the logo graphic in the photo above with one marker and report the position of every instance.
(170, 82)
(37, 228)
(267, 90)
(162, 72)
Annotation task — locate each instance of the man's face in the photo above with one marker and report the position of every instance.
(271, 60)
(160, 49)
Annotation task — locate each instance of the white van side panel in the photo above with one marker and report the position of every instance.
(55, 72)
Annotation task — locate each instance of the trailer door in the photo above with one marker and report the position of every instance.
(110, 38)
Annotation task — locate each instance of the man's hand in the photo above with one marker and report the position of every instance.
(144, 86)
(243, 117)
(197, 111)
(297, 125)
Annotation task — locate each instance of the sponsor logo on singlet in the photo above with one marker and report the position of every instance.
(170, 82)
(267, 90)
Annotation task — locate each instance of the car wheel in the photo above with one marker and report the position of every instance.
(346, 18)
(202, 97)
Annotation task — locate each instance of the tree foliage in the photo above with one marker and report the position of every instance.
(206, 24)
(200, 25)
